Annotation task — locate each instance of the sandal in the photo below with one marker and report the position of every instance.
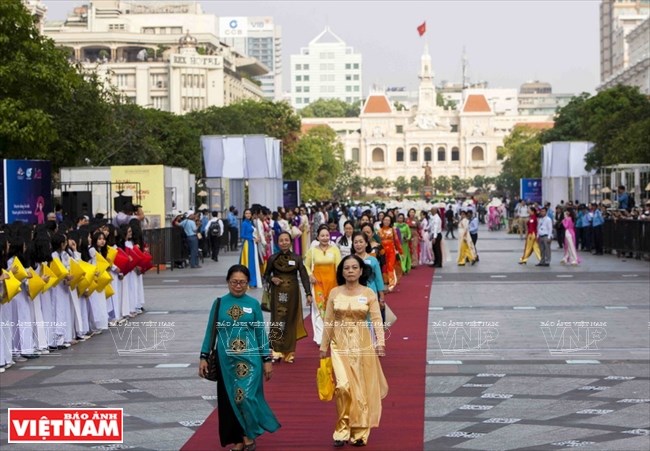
(250, 447)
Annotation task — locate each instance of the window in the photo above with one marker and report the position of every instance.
(427, 154)
(298, 88)
(414, 154)
(298, 77)
(348, 66)
(327, 77)
(477, 153)
(326, 66)
(377, 155)
(348, 77)
(356, 88)
(500, 154)
(455, 154)
(306, 100)
(454, 128)
(305, 78)
(348, 89)
(399, 129)
(355, 154)
(298, 99)
(298, 66)
(305, 66)
(356, 76)
(441, 154)
(306, 89)
(399, 154)
(355, 66)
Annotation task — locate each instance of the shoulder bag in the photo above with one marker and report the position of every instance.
(213, 364)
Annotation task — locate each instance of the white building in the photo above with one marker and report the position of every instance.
(145, 49)
(537, 98)
(624, 43)
(259, 38)
(461, 142)
(38, 10)
(326, 69)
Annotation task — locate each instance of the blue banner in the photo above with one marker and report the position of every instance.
(531, 190)
(291, 193)
(27, 191)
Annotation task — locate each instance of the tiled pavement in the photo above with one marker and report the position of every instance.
(500, 339)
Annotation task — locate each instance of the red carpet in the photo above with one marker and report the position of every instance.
(307, 422)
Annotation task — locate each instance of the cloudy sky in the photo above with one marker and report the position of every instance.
(507, 42)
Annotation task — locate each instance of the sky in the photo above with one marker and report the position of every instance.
(506, 42)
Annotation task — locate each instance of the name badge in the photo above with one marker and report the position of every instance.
(247, 310)
(363, 300)
(292, 263)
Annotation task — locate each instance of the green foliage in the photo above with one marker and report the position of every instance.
(344, 184)
(447, 104)
(379, 183)
(459, 185)
(331, 108)
(615, 120)
(442, 184)
(317, 162)
(401, 185)
(416, 183)
(522, 151)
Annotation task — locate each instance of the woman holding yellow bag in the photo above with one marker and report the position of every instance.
(360, 381)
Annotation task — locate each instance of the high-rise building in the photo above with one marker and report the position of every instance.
(160, 55)
(259, 38)
(623, 35)
(326, 69)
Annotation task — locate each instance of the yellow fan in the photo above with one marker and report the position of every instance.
(86, 288)
(58, 268)
(53, 281)
(12, 287)
(103, 280)
(18, 269)
(111, 252)
(109, 291)
(77, 273)
(102, 263)
(89, 271)
(36, 285)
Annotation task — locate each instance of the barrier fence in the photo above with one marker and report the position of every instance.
(627, 235)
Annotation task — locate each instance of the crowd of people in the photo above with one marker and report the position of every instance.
(65, 281)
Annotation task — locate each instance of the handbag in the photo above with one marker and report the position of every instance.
(325, 379)
(213, 365)
(266, 300)
(295, 232)
(390, 317)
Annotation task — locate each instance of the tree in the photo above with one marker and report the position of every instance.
(331, 108)
(401, 185)
(344, 182)
(378, 183)
(416, 184)
(48, 110)
(442, 184)
(615, 120)
(522, 153)
(317, 161)
(446, 104)
(459, 185)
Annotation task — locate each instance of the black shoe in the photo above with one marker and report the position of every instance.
(437, 266)
(358, 443)
(30, 356)
(339, 443)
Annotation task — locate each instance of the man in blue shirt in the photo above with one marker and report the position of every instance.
(597, 229)
(473, 233)
(191, 229)
(623, 199)
(233, 228)
(544, 236)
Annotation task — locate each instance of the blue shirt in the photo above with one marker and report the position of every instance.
(189, 227)
(598, 219)
(473, 225)
(586, 219)
(623, 201)
(232, 220)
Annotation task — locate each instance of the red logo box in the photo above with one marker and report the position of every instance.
(59, 425)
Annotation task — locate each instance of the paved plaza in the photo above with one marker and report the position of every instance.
(518, 357)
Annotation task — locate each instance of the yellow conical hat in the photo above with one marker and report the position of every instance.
(12, 287)
(53, 281)
(104, 279)
(109, 291)
(111, 252)
(18, 269)
(36, 285)
(58, 268)
(102, 263)
(77, 273)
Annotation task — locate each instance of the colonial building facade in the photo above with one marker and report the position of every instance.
(459, 142)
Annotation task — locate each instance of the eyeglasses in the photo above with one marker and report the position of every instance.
(238, 282)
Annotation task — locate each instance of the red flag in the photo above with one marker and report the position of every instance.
(422, 28)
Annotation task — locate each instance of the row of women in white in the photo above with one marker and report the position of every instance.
(59, 317)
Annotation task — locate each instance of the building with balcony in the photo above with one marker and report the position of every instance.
(146, 51)
(624, 44)
(326, 69)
